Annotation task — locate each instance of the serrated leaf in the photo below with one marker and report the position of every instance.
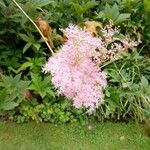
(115, 11)
(114, 76)
(100, 15)
(77, 8)
(35, 78)
(111, 12)
(81, 9)
(51, 93)
(17, 78)
(88, 6)
(46, 80)
(23, 67)
(122, 17)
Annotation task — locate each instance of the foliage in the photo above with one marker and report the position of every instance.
(23, 53)
(30, 42)
(83, 8)
(112, 13)
(128, 92)
(59, 113)
(11, 92)
(41, 87)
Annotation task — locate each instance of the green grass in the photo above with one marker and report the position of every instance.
(106, 136)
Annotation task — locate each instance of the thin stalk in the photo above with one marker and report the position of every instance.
(107, 63)
(34, 25)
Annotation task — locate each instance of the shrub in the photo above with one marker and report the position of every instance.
(22, 51)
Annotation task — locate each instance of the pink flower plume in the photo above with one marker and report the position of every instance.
(74, 74)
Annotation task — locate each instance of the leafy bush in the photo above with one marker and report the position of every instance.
(11, 92)
(127, 95)
(59, 113)
(23, 53)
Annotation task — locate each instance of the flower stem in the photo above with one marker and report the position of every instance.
(34, 25)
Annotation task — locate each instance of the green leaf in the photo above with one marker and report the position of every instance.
(25, 37)
(81, 9)
(26, 47)
(107, 93)
(23, 67)
(114, 95)
(36, 83)
(42, 93)
(77, 8)
(17, 78)
(37, 46)
(122, 17)
(114, 76)
(111, 12)
(115, 11)
(35, 78)
(50, 92)
(9, 105)
(11, 93)
(88, 6)
(46, 80)
(144, 82)
(100, 15)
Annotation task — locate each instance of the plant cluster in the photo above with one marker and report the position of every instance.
(58, 113)
(26, 93)
(75, 68)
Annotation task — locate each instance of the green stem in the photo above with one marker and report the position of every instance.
(107, 63)
(34, 25)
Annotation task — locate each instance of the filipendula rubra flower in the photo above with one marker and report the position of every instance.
(74, 74)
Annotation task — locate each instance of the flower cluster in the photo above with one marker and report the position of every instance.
(110, 37)
(109, 32)
(75, 67)
(73, 72)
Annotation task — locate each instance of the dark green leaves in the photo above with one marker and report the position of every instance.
(30, 41)
(11, 92)
(41, 86)
(113, 13)
(83, 8)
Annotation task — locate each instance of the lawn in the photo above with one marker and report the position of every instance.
(106, 136)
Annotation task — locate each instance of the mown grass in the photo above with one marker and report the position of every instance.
(106, 136)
